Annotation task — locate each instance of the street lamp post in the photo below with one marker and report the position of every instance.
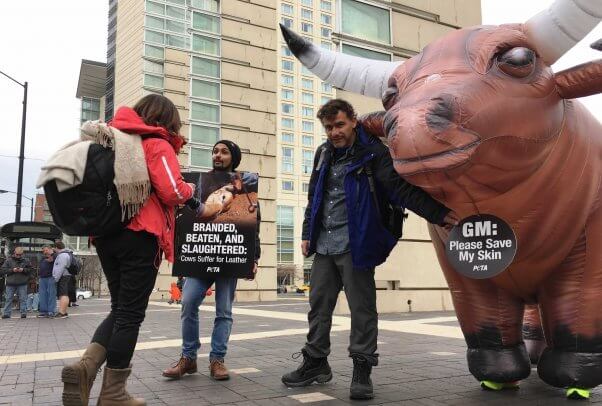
(2, 191)
(21, 150)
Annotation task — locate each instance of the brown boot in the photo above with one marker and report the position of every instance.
(183, 366)
(218, 370)
(79, 377)
(113, 391)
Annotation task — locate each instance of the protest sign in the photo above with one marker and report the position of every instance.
(218, 241)
(481, 246)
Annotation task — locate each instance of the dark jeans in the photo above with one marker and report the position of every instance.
(130, 261)
(330, 273)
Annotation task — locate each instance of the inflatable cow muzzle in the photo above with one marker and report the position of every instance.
(480, 121)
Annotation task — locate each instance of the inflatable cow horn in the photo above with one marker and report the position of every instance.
(566, 22)
(352, 73)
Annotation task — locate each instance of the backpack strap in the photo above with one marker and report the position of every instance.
(368, 169)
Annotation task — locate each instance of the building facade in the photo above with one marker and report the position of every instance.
(378, 29)
(216, 60)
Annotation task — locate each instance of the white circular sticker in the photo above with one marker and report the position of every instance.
(481, 246)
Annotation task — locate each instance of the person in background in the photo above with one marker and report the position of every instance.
(73, 291)
(17, 270)
(33, 298)
(47, 284)
(62, 277)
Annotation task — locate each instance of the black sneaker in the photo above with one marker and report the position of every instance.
(4, 316)
(24, 316)
(61, 316)
(311, 370)
(42, 316)
(361, 384)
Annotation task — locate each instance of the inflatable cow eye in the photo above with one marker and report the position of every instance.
(518, 62)
(389, 97)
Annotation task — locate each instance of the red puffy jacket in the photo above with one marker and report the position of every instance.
(157, 216)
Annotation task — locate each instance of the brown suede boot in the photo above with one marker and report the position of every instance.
(78, 377)
(218, 370)
(183, 366)
(113, 391)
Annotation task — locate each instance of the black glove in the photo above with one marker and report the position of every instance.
(193, 203)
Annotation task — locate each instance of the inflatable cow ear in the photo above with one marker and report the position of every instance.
(582, 80)
(352, 73)
(560, 27)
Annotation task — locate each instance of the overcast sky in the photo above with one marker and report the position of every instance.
(43, 42)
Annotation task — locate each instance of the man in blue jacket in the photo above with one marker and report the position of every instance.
(352, 185)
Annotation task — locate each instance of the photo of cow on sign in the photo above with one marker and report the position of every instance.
(218, 238)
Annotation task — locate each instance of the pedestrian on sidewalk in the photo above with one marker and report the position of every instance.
(33, 298)
(47, 284)
(226, 157)
(352, 187)
(62, 277)
(17, 269)
(130, 259)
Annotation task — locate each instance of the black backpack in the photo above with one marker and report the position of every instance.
(75, 266)
(91, 208)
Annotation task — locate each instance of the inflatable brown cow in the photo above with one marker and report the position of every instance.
(480, 121)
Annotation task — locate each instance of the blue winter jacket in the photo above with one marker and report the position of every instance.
(370, 242)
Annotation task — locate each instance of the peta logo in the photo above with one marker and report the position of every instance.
(479, 229)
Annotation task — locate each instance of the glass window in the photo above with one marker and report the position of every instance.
(205, 67)
(307, 84)
(287, 8)
(326, 5)
(176, 12)
(153, 67)
(307, 140)
(204, 112)
(326, 19)
(177, 41)
(307, 111)
(287, 137)
(307, 126)
(326, 45)
(288, 108)
(288, 185)
(207, 45)
(307, 27)
(153, 52)
(326, 87)
(200, 157)
(287, 65)
(305, 71)
(179, 2)
(307, 14)
(307, 98)
(175, 26)
(325, 32)
(204, 135)
(154, 22)
(287, 22)
(205, 22)
(285, 233)
(287, 123)
(305, 187)
(204, 89)
(153, 36)
(365, 53)
(366, 21)
(285, 51)
(287, 94)
(287, 80)
(153, 81)
(307, 3)
(287, 159)
(308, 160)
(325, 99)
(152, 7)
(209, 5)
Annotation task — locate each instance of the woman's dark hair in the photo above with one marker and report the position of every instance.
(159, 111)
(332, 108)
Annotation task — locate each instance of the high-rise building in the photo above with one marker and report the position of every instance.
(216, 60)
(378, 29)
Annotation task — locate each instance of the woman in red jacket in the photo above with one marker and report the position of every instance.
(131, 259)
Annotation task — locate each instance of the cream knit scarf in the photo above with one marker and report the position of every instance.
(131, 173)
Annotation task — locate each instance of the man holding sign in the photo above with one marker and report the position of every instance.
(206, 241)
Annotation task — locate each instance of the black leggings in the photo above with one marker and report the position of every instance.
(130, 261)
